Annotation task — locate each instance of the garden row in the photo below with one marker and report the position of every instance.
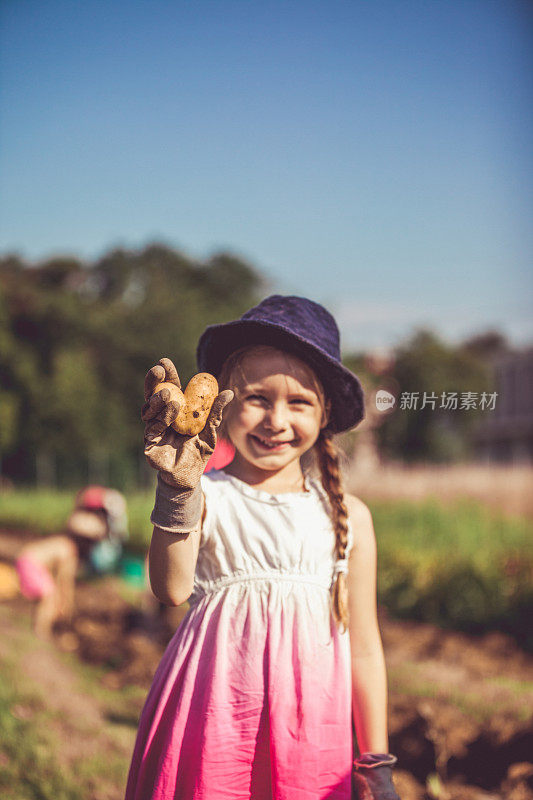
(458, 565)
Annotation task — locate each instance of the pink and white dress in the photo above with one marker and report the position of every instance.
(252, 698)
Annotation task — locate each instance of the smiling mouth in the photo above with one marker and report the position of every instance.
(269, 445)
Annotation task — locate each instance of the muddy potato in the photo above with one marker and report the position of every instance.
(195, 402)
(199, 397)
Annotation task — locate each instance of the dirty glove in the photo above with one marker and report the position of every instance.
(372, 777)
(180, 460)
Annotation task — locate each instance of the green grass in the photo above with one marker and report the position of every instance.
(458, 565)
(38, 510)
(32, 731)
(45, 511)
(515, 687)
(464, 527)
(140, 507)
(426, 528)
(29, 767)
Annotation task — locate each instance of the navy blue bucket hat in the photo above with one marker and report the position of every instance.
(298, 326)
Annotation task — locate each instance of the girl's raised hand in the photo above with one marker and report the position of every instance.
(179, 459)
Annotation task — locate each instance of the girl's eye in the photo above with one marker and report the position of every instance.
(259, 398)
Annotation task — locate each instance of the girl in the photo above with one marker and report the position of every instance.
(255, 694)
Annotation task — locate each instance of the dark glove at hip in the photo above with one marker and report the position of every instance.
(372, 777)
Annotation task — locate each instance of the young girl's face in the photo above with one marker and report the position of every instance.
(278, 409)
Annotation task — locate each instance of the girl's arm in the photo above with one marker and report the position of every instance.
(369, 681)
(172, 563)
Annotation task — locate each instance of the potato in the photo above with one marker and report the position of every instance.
(195, 402)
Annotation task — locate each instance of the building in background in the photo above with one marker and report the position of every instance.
(506, 434)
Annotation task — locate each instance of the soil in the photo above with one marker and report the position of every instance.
(460, 717)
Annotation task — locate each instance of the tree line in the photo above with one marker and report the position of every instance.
(76, 340)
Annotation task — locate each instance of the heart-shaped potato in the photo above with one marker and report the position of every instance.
(195, 402)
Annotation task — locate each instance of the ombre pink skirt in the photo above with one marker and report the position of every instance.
(252, 699)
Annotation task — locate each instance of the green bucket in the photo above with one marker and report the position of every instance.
(132, 571)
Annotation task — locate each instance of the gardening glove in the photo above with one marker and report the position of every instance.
(180, 460)
(372, 777)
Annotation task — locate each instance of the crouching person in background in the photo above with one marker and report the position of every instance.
(47, 567)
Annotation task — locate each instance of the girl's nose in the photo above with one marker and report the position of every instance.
(275, 418)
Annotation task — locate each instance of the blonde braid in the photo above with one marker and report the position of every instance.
(328, 460)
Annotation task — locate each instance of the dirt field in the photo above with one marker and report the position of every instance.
(460, 708)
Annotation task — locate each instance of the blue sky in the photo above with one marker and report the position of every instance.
(374, 156)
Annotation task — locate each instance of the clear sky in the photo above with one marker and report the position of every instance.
(375, 156)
